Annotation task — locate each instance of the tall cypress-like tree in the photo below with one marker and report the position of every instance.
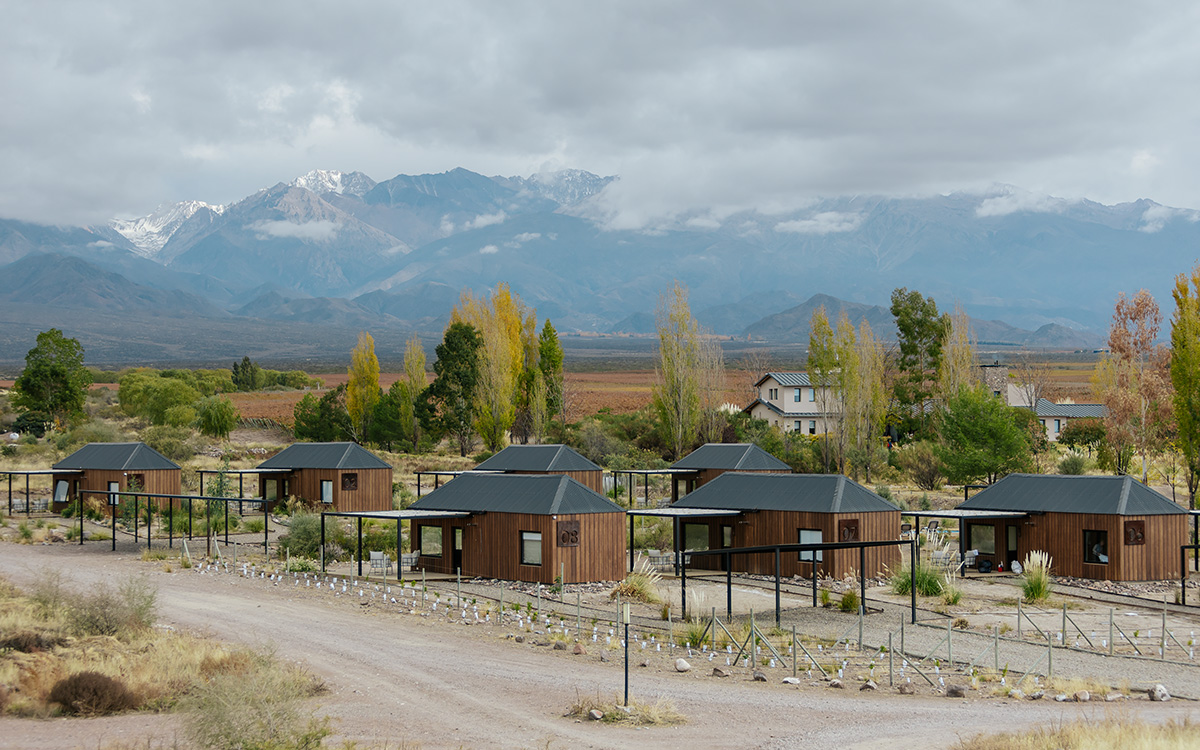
(550, 362)
(676, 389)
(447, 405)
(1185, 374)
(362, 389)
(922, 333)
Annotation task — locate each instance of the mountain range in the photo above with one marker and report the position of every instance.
(331, 252)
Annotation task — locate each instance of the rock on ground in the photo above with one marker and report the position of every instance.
(681, 665)
(1159, 693)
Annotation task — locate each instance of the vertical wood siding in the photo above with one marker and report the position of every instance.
(374, 487)
(162, 481)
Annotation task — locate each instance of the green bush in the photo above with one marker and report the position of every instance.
(172, 442)
(1073, 464)
(303, 538)
(849, 601)
(921, 462)
(929, 581)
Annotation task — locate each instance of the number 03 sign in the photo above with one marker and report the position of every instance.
(568, 533)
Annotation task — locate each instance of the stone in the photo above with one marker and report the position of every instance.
(519, 639)
(645, 663)
(907, 688)
(1037, 695)
(718, 672)
(1017, 694)
(1114, 697)
(595, 714)
(791, 680)
(869, 685)
(1062, 698)
(1082, 696)
(579, 650)
(1159, 693)
(560, 645)
(681, 665)
(603, 658)
(956, 691)
(759, 676)
(836, 684)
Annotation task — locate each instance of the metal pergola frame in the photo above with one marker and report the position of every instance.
(646, 474)
(171, 514)
(398, 516)
(34, 473)
(963, 517)
(675, 514)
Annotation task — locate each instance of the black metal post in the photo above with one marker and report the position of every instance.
(418, 485)
(631, 544)
(266, 530)
(1183, 575)
(10, 494)
(149, 520)
(322, 542)
(728, 586)
(201, 472)
(360, 545)
(675, 544)
(112, 511)
(626, 617)
(914, 552)
(814, 572)
(683, 589)
(79, 507)
(777, 587)
(862, 578)
(399, 554)
(226, 504)
(191, 513)
(27, 503)
(135, 519)
(1196, 540)
(171, 522)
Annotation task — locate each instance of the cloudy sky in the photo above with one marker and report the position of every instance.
(113, 107)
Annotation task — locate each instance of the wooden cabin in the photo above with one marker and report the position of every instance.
(1111, 528)
(521, 528)
(711, 460)
(791, 509)
(342, 476)
(117, 467)
(546, 459)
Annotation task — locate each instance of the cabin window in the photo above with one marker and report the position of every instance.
(327, 491)
(431, 541)
(810, 536)
(271, 490)
(1095, 547)
(982, 538)
(1058, 425)
(136, 482)
(60, 491)
(726, 536)
(113, 489)
(695, 536)
(799, 425)
(531, 548)
(350, 482)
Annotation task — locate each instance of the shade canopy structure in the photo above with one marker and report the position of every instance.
(60, 487)
(398, 516)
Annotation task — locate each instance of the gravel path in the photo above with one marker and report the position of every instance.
(420, 679)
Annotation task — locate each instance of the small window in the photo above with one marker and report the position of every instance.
(799, 425)
(695, 536)
(810, 536)
(812, 394)
(327, 491)
(983, 538)
(1095, 547)
(531, 548)
(1043, 422)
(726, 536)
(271, 490)
(812, 427)
(796, 395)
(113, 489)
(136, 482)
(350, 482)
(772, 394)
(60, 491)
(431, 541)
(1058, 425)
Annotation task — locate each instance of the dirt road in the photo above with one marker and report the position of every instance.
(401, 677)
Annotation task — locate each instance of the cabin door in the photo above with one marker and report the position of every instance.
(458, 549)
(1012, 534)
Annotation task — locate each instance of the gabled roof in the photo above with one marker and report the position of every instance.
(790, 379)
(117, 457)
(324, 456)
(1047, 408)
(730, 457)
(1121, 496)
(520, 458)
(534, 494)
(811, 493)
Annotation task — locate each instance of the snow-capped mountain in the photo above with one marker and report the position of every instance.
(322, 181)
(565, 187)
(150, 233)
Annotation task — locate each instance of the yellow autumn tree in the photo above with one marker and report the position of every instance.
(362, 390)
(508, 329)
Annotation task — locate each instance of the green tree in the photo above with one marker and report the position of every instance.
(216, 416)
(824, 369)
(54, 381)
(246, 375)
(982, 438)
(322, 420)
(411, 386)
(922, 333)
(688, 375)
(550, 362)
(865, 407)
(1082, 433)
(362, 389)
(447, 405)
(1185, 374)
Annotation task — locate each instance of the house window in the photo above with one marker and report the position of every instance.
(531, 548)
(350, 482)
(1043, 423)
(810, 536)
(695, 536)
(327, 491)
(1057, 425)
(772, 394)
(796, 395)
(1095, 547)
(812, 427)
(799, 425)
(982, 538)
(812, 394)
(60, 491)
(431, 541)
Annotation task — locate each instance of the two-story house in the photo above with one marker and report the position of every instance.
(789, 401)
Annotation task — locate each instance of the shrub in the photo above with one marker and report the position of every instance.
(929, 580)
(885, 492)
(640, 585)
(1036, 584)
(1073, 464)
(92, 694)
(921, 462)
(254, 526)
(172, 442)
(849, 601)
(303, 538)
(130, 608)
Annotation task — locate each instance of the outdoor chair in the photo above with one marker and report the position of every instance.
(380, 563)
(906, 531)
(408, 560)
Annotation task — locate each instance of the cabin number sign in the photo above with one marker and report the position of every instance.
(568, 533)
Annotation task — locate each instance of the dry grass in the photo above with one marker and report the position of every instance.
(1114, 733)
(641, 585)
(660, 712)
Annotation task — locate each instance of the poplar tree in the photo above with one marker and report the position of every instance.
(676, 395)
(822, 368)
(957, 370)
(362, 389)
(414, 382)
(1185, 374)
(550, 362)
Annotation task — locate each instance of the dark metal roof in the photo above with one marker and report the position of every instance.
(812, 493)
(534, 494)
(1054, 493)
(781, 412)
(790, 379)
(1047, 408)
(518, 458)
(324, 456)
(731, 457)
(117, 457)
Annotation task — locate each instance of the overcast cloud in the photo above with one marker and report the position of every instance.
(704, 107)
